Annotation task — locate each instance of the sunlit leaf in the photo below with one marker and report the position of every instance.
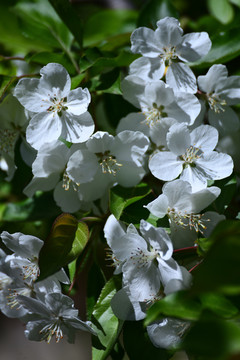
(65, 243)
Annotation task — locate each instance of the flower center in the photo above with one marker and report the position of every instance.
(191, 155)
(154, 115)
(66, 182)
(168, 54)
(193, 221)
(13, 294)
(142, 258)
(49, 330)
(7, 141)
(58, 104)
(215, 103)
(31, 270)
(108, 163)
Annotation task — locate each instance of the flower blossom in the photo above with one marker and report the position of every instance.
(162, 48)
(221, 91)
(54, 315)
(192, 157)
(57, 110)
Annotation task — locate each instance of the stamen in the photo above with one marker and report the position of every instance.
(13, 293)
(58, 105)
(142, 258)
(32, 270)
(191, 154)
(215, 103)
(168, 54)
(154, 115)
(108, 163)
(193, 221)
(67, 181)
(49, 330)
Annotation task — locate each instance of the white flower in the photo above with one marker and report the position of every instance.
(192, 157)
(145, 261)
(13, 121)
(221, 91)
(183, 208)
(49, 170)
(53, 316)
(160, 108)
(108, 160)
(162, 47)
(182, 205)
(167, 333)
(57, 110)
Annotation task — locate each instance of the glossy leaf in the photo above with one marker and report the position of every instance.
(106, 23)
(120, 197)
(221, 10)
(221, 268)
(174, 305)
(65, 243)
(211, 338)
(107, 325)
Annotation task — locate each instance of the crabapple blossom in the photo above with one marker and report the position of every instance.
(145, 261)
(192, 157)
(54, 315)
(162, 47)
(58, 111)
(220, 92)
(107, 160)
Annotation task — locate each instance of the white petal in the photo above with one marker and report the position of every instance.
(54, 78)
(78, 101)
(217, 74)
(194, 46)
(67, 200)
(168, 33)
(147, 68)
(144, 42)
(204, 137)
(181, 78)
(159, 206)
(43, 128)
(126, 308)
(165, 166)
(82, 166)
(77, 128)
(178, 139)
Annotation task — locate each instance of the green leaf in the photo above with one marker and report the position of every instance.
(40, 24)
(45, 57)
(212, 338)
(155, 10)
(65, 243)
(228, 190)
(120, 197)
(235, 2)
(107, 325)
(70, 18)
(221, 268)
(218, 304)
(107, 23)
(31, 209)
(174, 305)
(221, 10)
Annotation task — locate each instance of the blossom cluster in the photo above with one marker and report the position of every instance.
(172, 137)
